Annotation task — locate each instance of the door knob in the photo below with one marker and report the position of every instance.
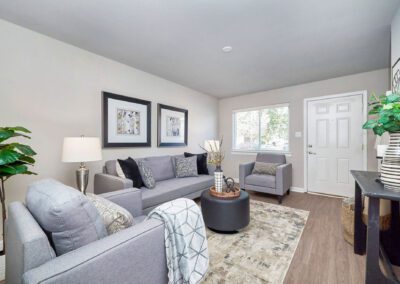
(312, 153)
(309, 146)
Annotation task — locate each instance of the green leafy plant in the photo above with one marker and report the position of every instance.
(15, 159)
(385, 112)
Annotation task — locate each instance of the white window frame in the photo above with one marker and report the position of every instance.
(259, 125)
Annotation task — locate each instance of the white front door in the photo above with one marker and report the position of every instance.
(334, 144)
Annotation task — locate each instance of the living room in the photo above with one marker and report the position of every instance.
(252, 114)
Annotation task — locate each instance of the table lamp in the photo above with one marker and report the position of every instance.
(80, 150)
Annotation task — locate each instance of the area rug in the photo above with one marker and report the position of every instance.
(260, 253)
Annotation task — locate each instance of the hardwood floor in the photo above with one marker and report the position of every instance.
(322, 256)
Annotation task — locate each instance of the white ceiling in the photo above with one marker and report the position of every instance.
(276, 43)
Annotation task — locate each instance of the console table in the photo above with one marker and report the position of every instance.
(368, 238)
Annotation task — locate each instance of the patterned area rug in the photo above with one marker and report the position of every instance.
(261, 252)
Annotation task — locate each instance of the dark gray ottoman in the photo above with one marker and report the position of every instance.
(225, 215)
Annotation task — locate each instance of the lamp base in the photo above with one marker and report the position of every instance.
(82, 178)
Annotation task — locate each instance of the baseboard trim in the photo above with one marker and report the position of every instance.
(297, 189)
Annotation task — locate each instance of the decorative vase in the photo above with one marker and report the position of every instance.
(218, 179)
(390, 171)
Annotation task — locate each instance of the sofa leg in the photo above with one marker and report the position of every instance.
(288, 192)
(280, 198)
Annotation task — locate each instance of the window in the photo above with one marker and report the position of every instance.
(261, 129)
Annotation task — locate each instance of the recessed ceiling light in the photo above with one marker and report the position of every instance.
(227, 49)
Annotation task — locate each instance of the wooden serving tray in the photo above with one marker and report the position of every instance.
(224, 194)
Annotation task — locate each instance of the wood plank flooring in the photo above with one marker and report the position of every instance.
(322, 256)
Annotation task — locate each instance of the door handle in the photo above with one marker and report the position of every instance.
(312, 153)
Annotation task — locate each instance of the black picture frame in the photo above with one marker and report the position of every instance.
(160, 143)
(106, 143)
(395, 78)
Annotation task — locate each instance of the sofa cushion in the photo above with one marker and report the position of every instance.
(146, 174)
(260, 180)
(115, 217)
(67, 215)
(161, 166)
(130, 171)
(174, 188)
(186, 167)
(201, 162)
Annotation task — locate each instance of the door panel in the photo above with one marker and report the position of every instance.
(334, 141)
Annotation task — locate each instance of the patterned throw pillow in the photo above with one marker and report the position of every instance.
(147, 175)
(265, 168)
(186, 167)
(115, 217)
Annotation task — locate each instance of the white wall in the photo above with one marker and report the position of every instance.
(54, 89)
(375, 81)
(395, 42)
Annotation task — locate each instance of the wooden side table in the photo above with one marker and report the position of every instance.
(367, 238)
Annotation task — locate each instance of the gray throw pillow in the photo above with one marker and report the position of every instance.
(147, 174)
(115, 217)
(65, 214)
(186, 167)
(265, 168)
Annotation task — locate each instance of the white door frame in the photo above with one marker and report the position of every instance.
(305, 127)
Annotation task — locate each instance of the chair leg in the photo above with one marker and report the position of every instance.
(288, 192)
(280, 198)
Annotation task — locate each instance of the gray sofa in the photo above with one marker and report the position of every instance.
(168, 187)
(278, 185)
(134, 255)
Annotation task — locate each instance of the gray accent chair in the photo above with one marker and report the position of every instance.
(133, 255)
(167, 188)
(278, 185)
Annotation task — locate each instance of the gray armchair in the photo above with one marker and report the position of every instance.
(134, 255)
(278, 185)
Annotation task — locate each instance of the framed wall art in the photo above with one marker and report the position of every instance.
(396, 77)
(172, 126)
(126, 121)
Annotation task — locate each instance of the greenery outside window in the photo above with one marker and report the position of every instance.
(261, 129)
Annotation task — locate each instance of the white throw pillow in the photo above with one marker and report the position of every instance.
(115, 217)
(119, 170)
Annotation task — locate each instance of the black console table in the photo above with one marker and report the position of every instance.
(368, 238)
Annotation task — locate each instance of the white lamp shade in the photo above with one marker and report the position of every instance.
(81, 149)
(211, 145)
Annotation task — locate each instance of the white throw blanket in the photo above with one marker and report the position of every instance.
(185, 240)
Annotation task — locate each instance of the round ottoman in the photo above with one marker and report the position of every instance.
(225, 215)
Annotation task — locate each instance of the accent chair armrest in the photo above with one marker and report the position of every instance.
(283, 178)
(105, 183)
(136, 254)
(130, 199)
(244, 171)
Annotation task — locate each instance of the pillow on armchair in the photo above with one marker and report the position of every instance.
(261, 168)
(65, 214)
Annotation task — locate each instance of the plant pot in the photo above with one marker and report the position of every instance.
(390, 171)
(218, 179)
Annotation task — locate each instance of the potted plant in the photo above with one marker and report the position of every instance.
(15, 159)
(215, 157)
(385, 112)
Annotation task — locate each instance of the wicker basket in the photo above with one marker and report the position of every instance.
(348, 220)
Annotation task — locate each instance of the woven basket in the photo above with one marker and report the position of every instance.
(348, 220)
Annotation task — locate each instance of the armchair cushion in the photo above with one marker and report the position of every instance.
(65, 214)
(261, 180)
(261, 168)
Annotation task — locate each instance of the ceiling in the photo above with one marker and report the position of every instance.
(276, 43)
